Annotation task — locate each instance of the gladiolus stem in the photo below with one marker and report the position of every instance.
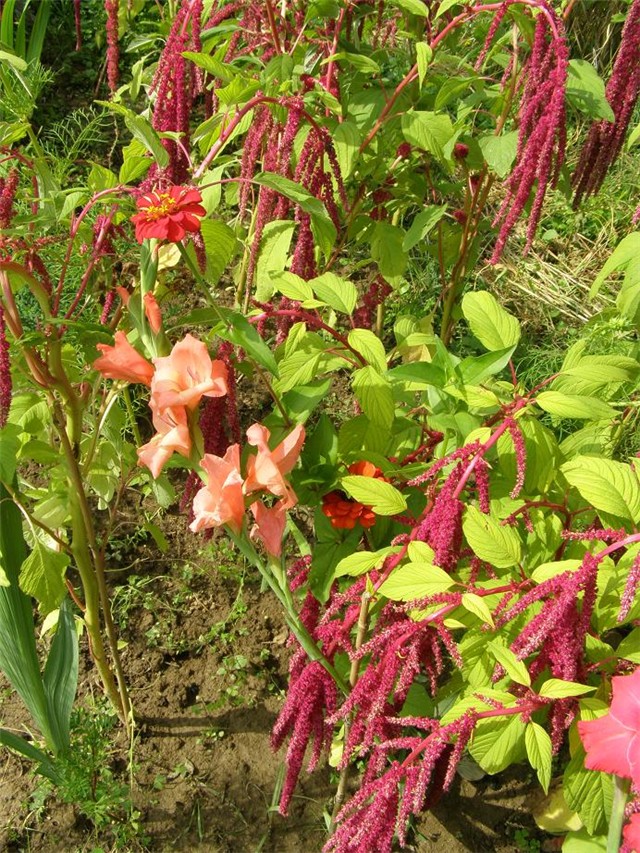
(620, 793)
(295, 626)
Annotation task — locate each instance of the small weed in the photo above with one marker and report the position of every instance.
(91, 783)
(524, 841)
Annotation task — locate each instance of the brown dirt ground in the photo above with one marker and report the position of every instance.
(206, 661)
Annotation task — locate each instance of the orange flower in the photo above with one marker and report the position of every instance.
(172, 436)
(122, 361)
(186, 375)
(152, 312)
(343, 511)
(270, 525)
(221, 501)
(168, 214)
(268, 468)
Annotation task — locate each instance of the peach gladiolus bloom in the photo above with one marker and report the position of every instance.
(269, 526)
(221, 501)
(186, 375)
(122, 361)
(612, 742)
(268, 468)
(172, 436)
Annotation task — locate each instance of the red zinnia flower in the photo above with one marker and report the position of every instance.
(168, 214)
(343, 511)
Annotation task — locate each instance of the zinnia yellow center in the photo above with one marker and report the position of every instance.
(167, 205)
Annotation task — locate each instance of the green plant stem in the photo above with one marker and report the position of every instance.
(282, 592)
(92, 573)
(132, 417)
(620, 793)
(353, 678)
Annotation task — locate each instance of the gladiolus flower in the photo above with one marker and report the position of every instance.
(612, 742)
(270, 525)
(268, 468)
(172, 436)
(631, 833)
(186, 375)
(221, 501)
(152, 312)
(122, 361)
(168, 214)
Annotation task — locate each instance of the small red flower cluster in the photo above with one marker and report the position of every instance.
(343, 511)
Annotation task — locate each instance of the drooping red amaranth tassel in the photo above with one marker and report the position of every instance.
(5, 372)
(113, 48)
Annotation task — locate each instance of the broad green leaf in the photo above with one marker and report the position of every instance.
(219, 243)
(142, 130)
(428, 130)
(444, 6)
(292, 286)
(494, 327)
(237, 329)
(370, 348)
(382, 497)
(498, 742)
(574, 406)
(387, 251)
(424, 55)
(374, 394)
(42, 576)
(224, 72)
(476, 369)
(626, 252)
(499, 151)
(586, 91)
(414, 7)
(363, 561)
(413, 581)
(9, 443)
(556, 688)
(418, 374)
(326, 556)
(359, 61)
(609, 486)
(13, 60)
(272, 258)
(538, 744)
(338, 293)
(581, 841)
(589, 793)
(515, 669)
(478, 606)
(422, 224)
(550, 570)
(476, 702)
(629, 648)
(346, 140)
(497, 544)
